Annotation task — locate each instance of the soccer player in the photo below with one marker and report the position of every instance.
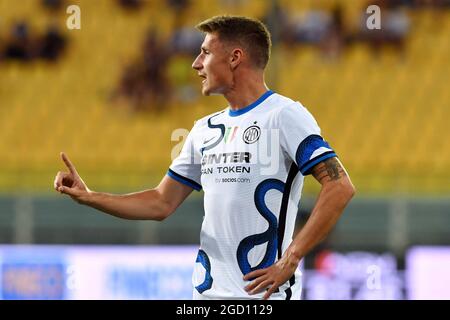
(250, 159)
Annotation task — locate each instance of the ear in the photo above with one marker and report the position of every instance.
(236, 57)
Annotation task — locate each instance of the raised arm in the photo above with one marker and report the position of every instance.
(336, 192)
(152, 204)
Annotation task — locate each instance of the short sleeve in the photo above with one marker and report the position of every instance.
(186, 168)
(301, 139)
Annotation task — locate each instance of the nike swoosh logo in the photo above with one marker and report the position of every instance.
(206, 141)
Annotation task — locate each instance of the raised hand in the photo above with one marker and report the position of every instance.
(70, 183)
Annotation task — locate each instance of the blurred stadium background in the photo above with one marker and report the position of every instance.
(111, 93)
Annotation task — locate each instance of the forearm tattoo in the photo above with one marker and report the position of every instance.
(328, 170)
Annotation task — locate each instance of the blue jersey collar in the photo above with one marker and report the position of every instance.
(235, 113)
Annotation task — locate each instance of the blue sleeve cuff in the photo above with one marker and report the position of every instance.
(190, 183)
(306, 168)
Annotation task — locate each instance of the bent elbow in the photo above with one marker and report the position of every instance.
(163, 213)
(349, 189)
(159, 217)
(344, 188)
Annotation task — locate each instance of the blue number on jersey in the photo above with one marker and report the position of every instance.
(269, 236)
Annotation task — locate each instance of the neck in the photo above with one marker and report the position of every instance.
(247, 92)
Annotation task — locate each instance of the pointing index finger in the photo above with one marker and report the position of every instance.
(68, 163)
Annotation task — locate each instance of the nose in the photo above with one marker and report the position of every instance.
(197, 65)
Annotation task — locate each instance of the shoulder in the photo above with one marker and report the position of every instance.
(292, 111)
(282, 101)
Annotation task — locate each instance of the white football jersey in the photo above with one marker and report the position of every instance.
(250, 164)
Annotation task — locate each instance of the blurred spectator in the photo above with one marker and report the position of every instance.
(186, 40)
(395, 26)
(156, 58)
(179, 10)
(178, 6)
(131, 86)
(322, 29)
(130, 4)
(20, 46)
(278, 22)
(430, 3)
(417, 4)
(52, 44)
(334, 38)
(144, 83)
(53, 5)
(312, 26)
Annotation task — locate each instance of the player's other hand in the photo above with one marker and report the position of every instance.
(269, 279)
(70, 183)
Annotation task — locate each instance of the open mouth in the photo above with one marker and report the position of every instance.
(203, 77)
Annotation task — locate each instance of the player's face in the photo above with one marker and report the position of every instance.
(213, 66)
